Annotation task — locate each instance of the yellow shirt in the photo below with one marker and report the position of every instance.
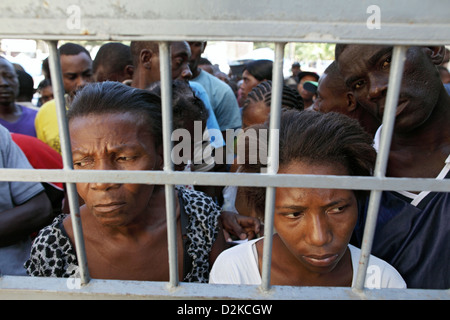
(46, 123)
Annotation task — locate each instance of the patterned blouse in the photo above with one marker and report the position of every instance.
(53, 255)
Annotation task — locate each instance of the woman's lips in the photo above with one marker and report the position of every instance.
(322, 260)
(108, 207)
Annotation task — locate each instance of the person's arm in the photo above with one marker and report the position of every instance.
(22, 220)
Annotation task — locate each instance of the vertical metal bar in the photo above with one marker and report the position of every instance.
(58, 90)
(395, 78)
(166, 97)
(272, 168)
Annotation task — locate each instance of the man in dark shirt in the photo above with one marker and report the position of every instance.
(412, 230)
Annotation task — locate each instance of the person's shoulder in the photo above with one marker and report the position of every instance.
(48, 107)
(196, 86)
(52, 253)
(51, 236)
(380, 274)
(207, 77)
(192, 195)
(240, 255)
(198, 202)
(4, 134)
(55, 227)
(236, 265)
(240, 250)
(28, 109)
(6, 142)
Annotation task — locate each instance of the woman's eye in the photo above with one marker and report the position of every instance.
(293, 215)
(339, 209)
(125, 159)
(81, 164)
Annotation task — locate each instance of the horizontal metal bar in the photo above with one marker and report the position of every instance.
(283, 20)
(275, 21)
(12, 287)
(231, 179)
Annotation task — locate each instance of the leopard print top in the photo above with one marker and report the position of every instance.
(53, 255)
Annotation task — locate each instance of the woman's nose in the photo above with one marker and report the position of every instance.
(319, 232)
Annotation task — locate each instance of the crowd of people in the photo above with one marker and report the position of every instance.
(330, 125)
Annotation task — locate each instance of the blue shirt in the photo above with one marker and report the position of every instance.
(223, 101)
(216, 137)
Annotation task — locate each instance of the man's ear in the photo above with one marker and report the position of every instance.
(351, 102)
(145, 57)
(129, 70)
(436, 54)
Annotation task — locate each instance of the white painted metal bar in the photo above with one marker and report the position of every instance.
(63, 289)
(270, 21)
(235, 179)
(232, 20)
(166, 96)
(395, 78)
(58, 90)
(273, 161)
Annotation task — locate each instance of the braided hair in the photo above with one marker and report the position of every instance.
(290, 98)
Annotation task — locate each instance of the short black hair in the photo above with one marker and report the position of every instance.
(338, 85)
(26, 85)
(111, 97)
(44, 83)
(115, 55)
(260, 69)
(340, 47)
(303, 74)
(72, 49)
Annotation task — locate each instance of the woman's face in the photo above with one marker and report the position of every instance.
(315, 225)
(248, 83)
(306, 95)
(114, 142)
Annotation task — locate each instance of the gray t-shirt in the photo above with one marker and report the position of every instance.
(13, 194)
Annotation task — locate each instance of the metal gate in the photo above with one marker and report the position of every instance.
(400, 23)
